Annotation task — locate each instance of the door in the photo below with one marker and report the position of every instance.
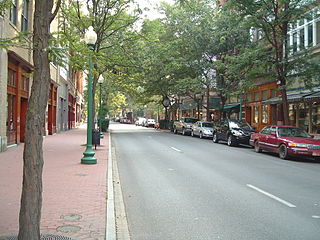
(11, 123)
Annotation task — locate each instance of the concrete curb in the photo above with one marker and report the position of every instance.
(110, 221)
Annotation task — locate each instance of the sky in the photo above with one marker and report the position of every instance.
(152, 4)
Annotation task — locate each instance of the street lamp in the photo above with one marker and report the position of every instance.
(100, 81)
(90, 38)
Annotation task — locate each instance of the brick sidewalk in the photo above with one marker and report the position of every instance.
(74, 194)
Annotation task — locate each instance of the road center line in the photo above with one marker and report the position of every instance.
(271, 196)
(175, 149)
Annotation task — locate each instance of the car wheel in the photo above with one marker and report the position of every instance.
(283, 152)
(200, 135)
(231, 142)
(257, 147)
(215, 138)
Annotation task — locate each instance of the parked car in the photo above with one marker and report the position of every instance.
(232, 131)
(202, 129)
(150, 122)
(286, 141)
(184, 125)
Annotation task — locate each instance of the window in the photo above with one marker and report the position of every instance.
(13, 12)
(256, 96)
(301, 39)
(11, 78)
(310, 35)
(266, 131)
(264, 95)
(24, 83)
(24, 15)
(295, 42)
(256, 114)
(272, 93)
(318, 32)
(265, 113)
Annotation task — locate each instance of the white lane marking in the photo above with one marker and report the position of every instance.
(271, 196)
(315, 216)
(171, 169)
(176, 149)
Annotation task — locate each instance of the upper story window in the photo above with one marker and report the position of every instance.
(11, 78)
(25, 15)
(305, 32)
(13, 12)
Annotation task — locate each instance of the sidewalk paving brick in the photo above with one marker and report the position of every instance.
(74, 194)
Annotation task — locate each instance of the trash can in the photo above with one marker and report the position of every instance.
(95, 138)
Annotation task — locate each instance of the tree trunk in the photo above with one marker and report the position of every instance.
(208, 105)
(31, 198)
(285, 107)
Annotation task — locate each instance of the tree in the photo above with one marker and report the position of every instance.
(31, 198)
(272, 18)
(114, 28)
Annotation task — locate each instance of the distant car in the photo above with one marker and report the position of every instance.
(150, 122)
(286, 141)
(232, 131)
(141, 121)
(202, 129)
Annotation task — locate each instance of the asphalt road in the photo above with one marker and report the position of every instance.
(179, 188)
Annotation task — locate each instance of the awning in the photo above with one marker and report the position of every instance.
(230, 107)
(292, 98)
(313, 96)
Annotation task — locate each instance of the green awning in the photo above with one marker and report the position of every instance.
(229, 107)
(292, 98)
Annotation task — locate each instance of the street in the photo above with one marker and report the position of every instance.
(178, 188)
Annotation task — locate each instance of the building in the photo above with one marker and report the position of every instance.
(65, 101)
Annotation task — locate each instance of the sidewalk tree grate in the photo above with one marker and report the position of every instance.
(43, 237)
(71, 217)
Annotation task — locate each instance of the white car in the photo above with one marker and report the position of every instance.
(141, 121)
(150, 123)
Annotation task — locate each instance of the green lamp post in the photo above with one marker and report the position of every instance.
(88, 155)
(100, 81)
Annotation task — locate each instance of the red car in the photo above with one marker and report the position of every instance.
(286, 141)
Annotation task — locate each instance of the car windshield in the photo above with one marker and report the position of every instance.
(191, 120)
(292, 132)
(208, 125)
(239, 125)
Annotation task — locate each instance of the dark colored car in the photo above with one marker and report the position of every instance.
(232, 131)
(286, 141)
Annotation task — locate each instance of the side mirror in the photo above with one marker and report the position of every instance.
(312, 136)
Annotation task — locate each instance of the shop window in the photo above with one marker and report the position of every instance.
(315, 118)
(25, 15)
(292, 114)
(13, 12)
(265, 113)
(11, 78)
(256, 114)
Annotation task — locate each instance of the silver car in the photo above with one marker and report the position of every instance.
(202, 129)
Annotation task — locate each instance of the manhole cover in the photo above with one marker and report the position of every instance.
(71, 217)
(43, 237)
(68, 228)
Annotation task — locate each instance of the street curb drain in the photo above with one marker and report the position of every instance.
(43, 237)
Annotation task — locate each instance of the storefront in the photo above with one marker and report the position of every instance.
(17, 98)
